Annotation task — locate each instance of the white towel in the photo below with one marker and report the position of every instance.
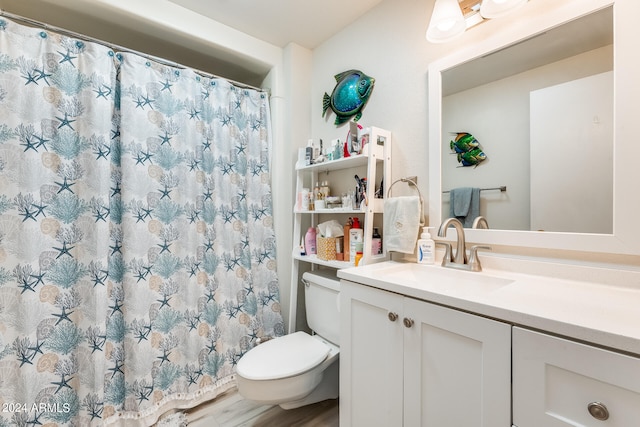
(401, 223)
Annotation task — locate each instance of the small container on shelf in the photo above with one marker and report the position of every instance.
(304, 199)
(346, 231)
(376, 242)
(326, 247)
(310, 241)
(359, 251)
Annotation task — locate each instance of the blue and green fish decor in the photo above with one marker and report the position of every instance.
(467, 148)
(349, 96)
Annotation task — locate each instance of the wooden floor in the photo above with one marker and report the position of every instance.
(232, 410)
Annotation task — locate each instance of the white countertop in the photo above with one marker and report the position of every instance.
(602, 307)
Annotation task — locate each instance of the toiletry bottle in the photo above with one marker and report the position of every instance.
(426, 248)
(316, 150)
(310, 241)
(376, 242)
(305, 199)
(337, 150)
(324, 189)
(309, 153)
(355, 237)
(356, 222)
(317, 192)
(345, 246)
(359, 251)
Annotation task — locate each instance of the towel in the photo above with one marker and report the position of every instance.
(464, 204)
(401, 223)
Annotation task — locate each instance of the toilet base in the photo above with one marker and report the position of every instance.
(327, 389)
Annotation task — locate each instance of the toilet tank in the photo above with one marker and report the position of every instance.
(321, 293)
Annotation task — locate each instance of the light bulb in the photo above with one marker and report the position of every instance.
(446, 22)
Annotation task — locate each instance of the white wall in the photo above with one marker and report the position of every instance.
(388, 44)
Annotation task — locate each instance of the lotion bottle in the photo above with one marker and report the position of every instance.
(426, 248)
(355, 237)
(310, 241)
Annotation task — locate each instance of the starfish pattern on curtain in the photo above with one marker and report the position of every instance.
(137, 250)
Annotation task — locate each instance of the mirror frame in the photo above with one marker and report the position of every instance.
(537, 17)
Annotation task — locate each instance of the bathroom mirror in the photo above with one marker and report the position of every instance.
(556, 160)
(542, 110)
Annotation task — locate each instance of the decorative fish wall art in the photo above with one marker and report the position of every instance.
(467, 148)
(349, 96)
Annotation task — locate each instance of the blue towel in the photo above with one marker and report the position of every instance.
(464, 204)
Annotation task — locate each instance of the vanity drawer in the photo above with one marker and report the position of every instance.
(561, 383)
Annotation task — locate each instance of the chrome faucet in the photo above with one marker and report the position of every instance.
(461, 253)
(460, 259)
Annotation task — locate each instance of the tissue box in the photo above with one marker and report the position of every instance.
(326, 248)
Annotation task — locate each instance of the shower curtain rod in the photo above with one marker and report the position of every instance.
(116, 47)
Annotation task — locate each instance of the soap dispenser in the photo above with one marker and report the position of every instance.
(426, 248)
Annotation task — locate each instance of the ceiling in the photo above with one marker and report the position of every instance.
(278, 22)
(304, 22)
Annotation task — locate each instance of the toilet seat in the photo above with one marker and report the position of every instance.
(282, 357)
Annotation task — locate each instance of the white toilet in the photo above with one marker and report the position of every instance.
(298, 369)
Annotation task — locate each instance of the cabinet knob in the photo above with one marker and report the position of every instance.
(598, 411)
(393, 316)
(407, 322)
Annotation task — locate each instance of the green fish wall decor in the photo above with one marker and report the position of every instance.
(472, 157)
(467, 148)
(463, 142)
(349, 96)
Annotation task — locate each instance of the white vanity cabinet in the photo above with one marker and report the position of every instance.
(407, 362)
(561, 383)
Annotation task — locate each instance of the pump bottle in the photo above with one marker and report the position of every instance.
(426, 248)
(355, 237)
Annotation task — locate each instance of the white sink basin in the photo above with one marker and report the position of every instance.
(437, 278)
(436, 273)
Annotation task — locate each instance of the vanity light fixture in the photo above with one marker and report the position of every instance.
(496, 8)
(447, 21)
(451, 18)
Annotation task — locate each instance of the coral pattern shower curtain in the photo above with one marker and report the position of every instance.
(137, 252)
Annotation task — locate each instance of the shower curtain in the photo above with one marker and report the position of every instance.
(137, 250)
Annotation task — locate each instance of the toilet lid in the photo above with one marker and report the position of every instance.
(282, 357)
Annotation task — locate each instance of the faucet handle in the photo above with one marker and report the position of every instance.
(448, 253)
(474, 261)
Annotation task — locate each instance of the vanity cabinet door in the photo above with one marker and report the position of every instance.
(561, 383)
(370, 357)
(406, 362)
(457, 368)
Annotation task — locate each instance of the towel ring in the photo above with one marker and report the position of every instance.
(411, 183)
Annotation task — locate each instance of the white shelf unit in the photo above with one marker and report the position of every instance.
(375, 165)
